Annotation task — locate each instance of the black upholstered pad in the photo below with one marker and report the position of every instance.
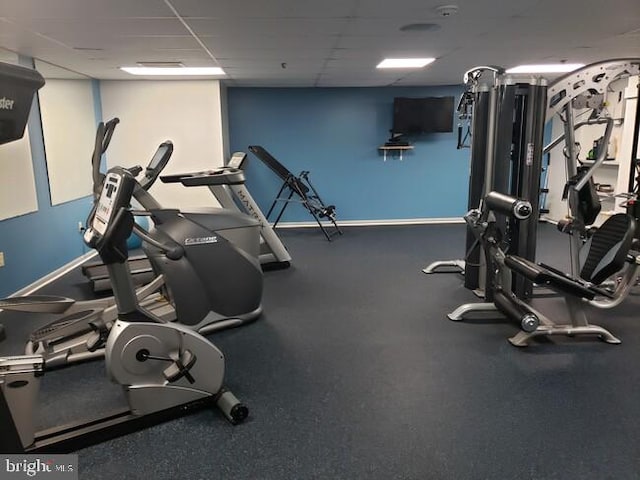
(542, 275)
(607, 249)
(279, 169)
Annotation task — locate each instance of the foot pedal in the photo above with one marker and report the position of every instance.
(98, 338)
(181, 367)
(69, 326)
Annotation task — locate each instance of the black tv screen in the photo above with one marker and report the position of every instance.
(422, 115)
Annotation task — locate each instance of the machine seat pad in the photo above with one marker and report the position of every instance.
(608, 248)
(542, 275)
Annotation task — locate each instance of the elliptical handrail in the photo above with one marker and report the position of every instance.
(104, 133)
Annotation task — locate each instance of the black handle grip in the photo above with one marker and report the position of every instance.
(110, 127)
(135, 170)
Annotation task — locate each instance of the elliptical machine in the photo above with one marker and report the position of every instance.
(217, 284)
(166, 369)
(227, 184)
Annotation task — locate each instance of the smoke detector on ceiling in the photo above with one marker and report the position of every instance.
(447, 10)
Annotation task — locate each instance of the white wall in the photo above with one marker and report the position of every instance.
(626, 145)
(187, 112)
(68, 125)
(17, 182)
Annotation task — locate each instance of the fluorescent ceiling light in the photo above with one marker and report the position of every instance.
(173, 71)
(549, 68)
(405, 62)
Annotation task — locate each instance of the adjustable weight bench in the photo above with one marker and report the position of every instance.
(301, 187)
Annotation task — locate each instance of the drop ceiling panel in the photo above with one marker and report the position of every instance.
(273, 65)
(242, 9)
(260, 75)
(83, 9)
(425, 10)
(285, 43)
(451, 29)
(8, 57)
(381, 44)
(147, 43)
(574, 12)
(268, 27)
(336, 41)
(48, 70)
(103, 27)
(554, 32)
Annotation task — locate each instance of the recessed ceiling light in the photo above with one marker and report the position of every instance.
(547, 68)
(173, 71)
(405, 62)
(166, 64)
(420, 27)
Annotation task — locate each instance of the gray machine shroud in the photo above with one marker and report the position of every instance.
(230, 242)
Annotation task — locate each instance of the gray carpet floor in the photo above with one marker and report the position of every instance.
(354, 372)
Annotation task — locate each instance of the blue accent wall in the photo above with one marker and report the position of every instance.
(37, 243)
(335, 133)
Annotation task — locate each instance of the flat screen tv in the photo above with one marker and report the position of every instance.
(422, 115)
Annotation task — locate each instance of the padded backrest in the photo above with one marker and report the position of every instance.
(270, 161)
(279, 169)
(606, 251)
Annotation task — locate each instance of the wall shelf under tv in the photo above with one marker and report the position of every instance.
(398, 149)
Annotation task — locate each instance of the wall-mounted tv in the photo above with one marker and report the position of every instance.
(422, 115)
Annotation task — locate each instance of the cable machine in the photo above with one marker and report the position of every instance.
(507, 130)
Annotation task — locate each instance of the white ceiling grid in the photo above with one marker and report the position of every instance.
(316, 43)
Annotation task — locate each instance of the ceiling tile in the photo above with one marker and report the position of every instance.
(103, 27)
(83, 9)
(334, 42)
(243, 9)
(268, 27)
